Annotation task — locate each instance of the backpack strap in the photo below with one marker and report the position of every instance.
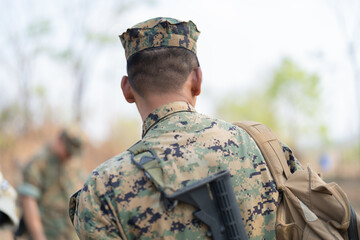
(270, 148)
(145, 159)
(354, 226)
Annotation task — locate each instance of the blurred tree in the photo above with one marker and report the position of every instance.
(87, 37)
(8, 115)
(75, 32)
(289, 104)
(26, 40)
(348, 18)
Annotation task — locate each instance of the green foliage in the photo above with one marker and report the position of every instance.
(40, 91)
(254, 108)
(8, 114)
(9, 117)
(100, 38)
(290, 104)
(298, 88)
(39, 28)
(64, 54)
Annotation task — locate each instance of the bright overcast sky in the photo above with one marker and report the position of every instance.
(240, 44)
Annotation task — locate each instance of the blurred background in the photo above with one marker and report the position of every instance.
(293, 65)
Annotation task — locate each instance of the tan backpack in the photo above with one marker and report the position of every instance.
(309, 208)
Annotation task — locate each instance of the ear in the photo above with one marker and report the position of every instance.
(127, 90)
(196, 82)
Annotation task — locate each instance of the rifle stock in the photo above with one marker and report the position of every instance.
(216, 205)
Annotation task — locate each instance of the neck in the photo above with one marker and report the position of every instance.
(148, 104)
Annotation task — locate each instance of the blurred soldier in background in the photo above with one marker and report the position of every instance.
(8, 213)
(48, 181)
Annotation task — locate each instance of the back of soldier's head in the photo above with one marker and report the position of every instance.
(71, 139)
(160, 70)
(161, 53)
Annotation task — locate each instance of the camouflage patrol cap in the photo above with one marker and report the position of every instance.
(72, 141)
(160, 32)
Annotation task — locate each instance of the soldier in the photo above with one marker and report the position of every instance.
(164, 80)
(49, 179)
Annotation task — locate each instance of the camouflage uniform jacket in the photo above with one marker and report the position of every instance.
(118, 201)
(51, 184)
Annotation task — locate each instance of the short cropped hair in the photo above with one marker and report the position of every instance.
(160, 70)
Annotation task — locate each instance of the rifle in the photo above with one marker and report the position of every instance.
(213, 196)
(215, 200)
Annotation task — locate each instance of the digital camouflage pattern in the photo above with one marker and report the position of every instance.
(52, 184)
(117, 200)
(160, 32)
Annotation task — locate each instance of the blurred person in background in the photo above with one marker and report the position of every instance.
(8, 212)
(49, 179)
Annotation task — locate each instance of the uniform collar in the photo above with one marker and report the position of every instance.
(164, 111)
